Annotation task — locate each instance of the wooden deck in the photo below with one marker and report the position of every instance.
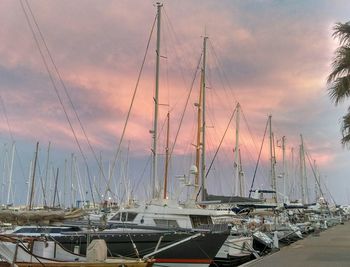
(330, 248)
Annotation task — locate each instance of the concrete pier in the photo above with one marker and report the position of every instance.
(329, 248)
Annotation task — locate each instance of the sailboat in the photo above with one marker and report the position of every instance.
(164, 213)
(35, 252)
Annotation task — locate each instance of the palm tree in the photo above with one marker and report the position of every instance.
(339, 78)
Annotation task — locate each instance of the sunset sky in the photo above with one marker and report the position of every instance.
(273, 57)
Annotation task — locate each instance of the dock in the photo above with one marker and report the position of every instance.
(330, 248)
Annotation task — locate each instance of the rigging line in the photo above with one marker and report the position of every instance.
(6, 117)
(257, 163)
(174, 39)
(142, 175)
(130, 107)
(64, 87)
(11, 134)
(184, 110)
(222, 139)
(314, 173)
(249, 130)
(318, 182)
(222, 73)
(215, 72)
(42, 184)
(57, 93)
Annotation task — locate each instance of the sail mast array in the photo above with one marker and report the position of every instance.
(201, 164)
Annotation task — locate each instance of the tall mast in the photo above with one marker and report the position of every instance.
(156, 94)
(272, 160)
(198, 145)
(10, 189)
(65, 184)
(316, 182)
(166, 158)
(284, 167)
(46, 172)
(302, 167)
(33, 178)
(55, 189)
(304, 177)
(241, 176)
(29, 179)
(238, 185)
(292, 183)
(203, 167)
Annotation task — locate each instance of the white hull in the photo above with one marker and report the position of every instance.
(236, 247)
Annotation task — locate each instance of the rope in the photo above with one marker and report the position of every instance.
(183, 113)
(65, 90)
(257, 163)
(318, 182)
(130, 107)
(222, 139)
(54, 85)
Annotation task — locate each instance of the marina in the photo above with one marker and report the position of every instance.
(151, 159)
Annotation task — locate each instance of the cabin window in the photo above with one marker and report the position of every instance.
(166, 223)
(131, 216)
(116, 217)
(198, 220)
(124, 216)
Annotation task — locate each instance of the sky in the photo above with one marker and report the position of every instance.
(273, 57)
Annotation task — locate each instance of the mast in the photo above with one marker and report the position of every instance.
(55, 189)
(71, 182)
(28, 183)
(284, 167)
(302, 167)
(128, 196)
(33, 178)
(198, 145)
(11, 174)
(166, 158)
(293, 183)
(316, 182)
(156, 95)
(203, 167)
(65, 184)
(238, 184)
(3, 182)
(272, 160)
(241, 176)
(305, 183)
(46, 172)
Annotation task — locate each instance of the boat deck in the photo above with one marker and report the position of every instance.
(329, 248)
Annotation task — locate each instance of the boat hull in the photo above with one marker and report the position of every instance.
(199, 251)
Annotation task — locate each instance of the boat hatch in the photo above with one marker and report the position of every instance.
(166, 223)
(124, 216)
(198, 220)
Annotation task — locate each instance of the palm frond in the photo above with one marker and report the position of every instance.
(342, 32)
(340, 89)
(341, 63)
(346, 129)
